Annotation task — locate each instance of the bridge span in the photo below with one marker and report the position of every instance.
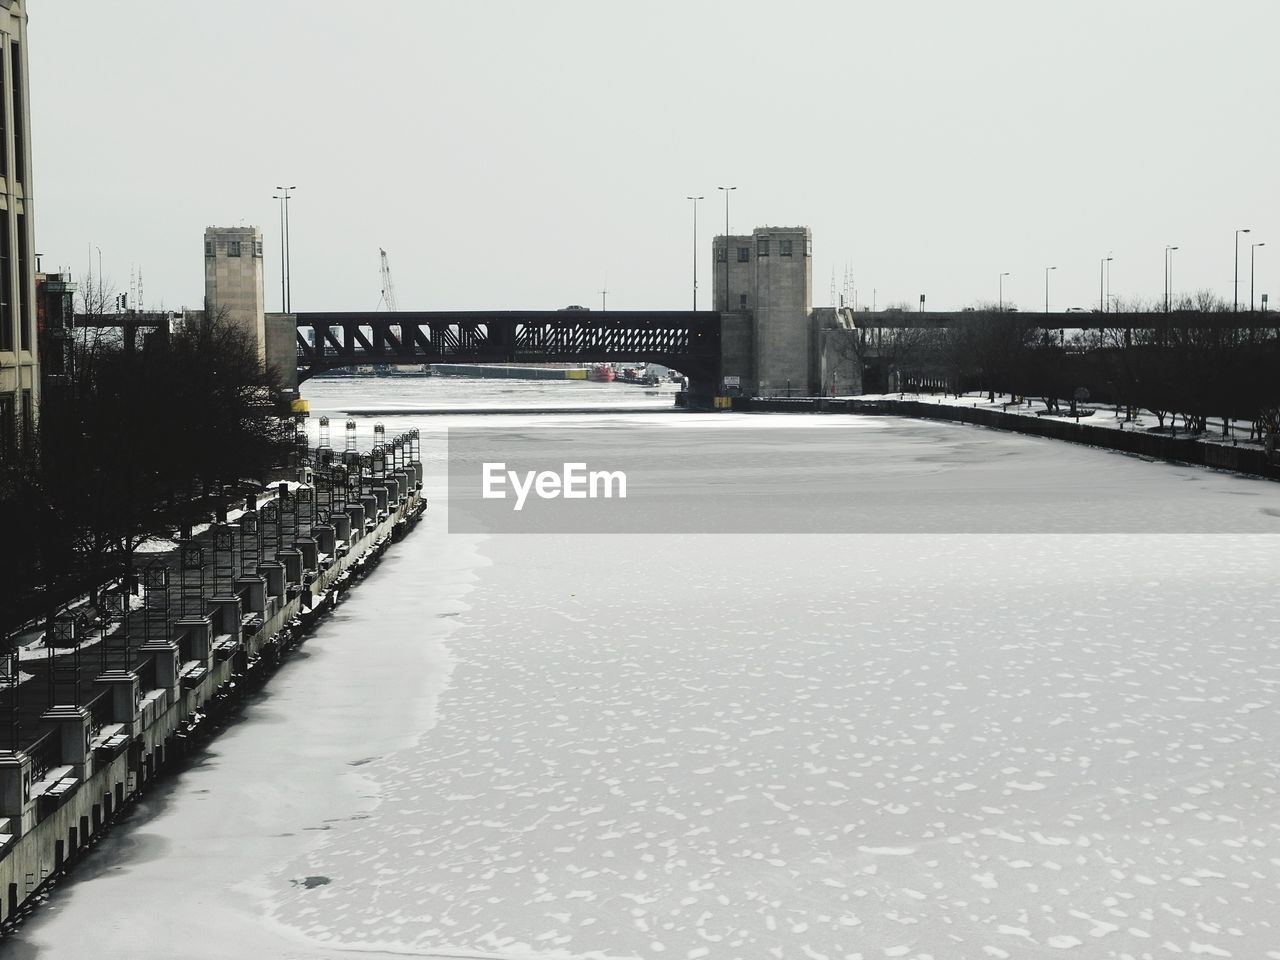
(687, 341)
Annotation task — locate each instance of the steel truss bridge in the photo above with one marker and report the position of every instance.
(687, 341)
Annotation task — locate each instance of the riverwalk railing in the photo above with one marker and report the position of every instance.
(45, 752)
(226, 561)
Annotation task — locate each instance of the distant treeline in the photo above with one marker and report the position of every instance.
(1184, 374)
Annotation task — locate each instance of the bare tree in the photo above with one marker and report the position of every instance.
(142, 443)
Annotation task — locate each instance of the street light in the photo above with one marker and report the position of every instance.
(286, 273)
(1002, 276)
(1168, 274)
(1046, 287)
(1235, 294)
(695, 250)
(1102, 270)
(1252, 248)
(726, 208)
(727, 191)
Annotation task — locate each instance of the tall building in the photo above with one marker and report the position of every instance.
(233, 282)
(19, 357)
(764, 285)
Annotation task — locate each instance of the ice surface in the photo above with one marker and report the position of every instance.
(901, 746)
(744, 747)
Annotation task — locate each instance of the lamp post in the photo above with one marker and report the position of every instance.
(1002, 276)
(1046, 287)
(286, 274)
(727, 191)
(1102, 271)
(695, 250)
(1235, 294)
(1252, 249)
(283, 297)
(1168, 274)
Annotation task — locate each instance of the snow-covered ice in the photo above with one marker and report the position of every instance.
(897, 746)
(919, 746)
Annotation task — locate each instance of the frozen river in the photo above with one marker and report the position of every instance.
(740, 746)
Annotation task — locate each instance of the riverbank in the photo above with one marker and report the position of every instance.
(96, 753)
(1197, 450)
(297, 763)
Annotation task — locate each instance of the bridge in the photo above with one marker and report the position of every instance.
(711, 348)
(687, 341)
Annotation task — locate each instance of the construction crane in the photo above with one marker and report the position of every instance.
(388, 288)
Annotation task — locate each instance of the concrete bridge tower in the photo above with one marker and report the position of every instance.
(233, 281)
(764, 288)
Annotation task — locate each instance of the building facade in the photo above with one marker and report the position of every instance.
(233, 281)
(19, 353)
(763, 286)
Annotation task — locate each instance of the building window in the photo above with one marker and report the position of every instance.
(6, 423)
(233, 248)
(4, 154)
(744, 254)
(19, 131)
(762, 248)
(784, 248)
(28, 418)
(722, 255)
(257, 249)
(742, 301)
(6, 284)
(208, 248)
(25, 313)
(808, 246)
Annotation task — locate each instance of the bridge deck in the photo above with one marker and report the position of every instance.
(686, 340)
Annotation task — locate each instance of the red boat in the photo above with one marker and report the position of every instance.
(601, 373)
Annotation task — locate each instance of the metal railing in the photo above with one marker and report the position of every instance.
(45, 753)
(101, 711)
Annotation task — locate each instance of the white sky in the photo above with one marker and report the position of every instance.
(517, 154)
